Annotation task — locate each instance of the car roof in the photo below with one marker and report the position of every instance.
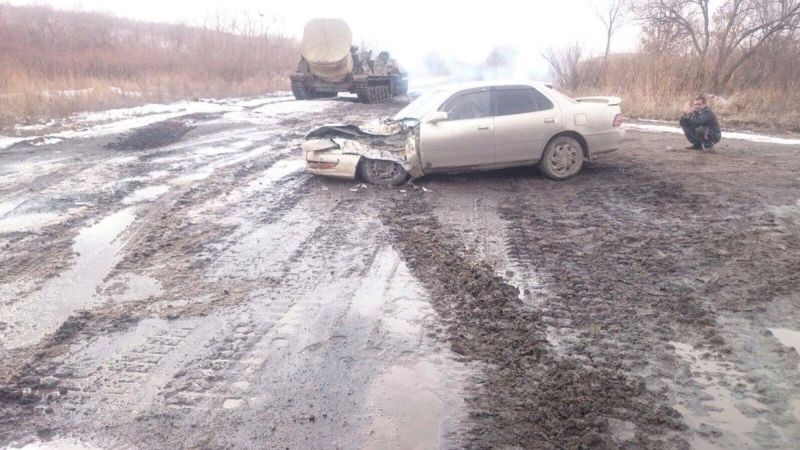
(460, 86)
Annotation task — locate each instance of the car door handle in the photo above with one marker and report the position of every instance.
(550, 120)
(483, 127)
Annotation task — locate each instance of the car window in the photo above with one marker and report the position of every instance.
(519, 101)
(471, 105)
(543, 102)
(514, 101)
(422, 105)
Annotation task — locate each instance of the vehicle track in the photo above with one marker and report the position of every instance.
(644, 303)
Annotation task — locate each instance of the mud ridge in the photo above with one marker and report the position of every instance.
(156, 135)
(529, 397)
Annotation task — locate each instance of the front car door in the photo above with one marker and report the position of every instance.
(524, 119)
(465, 139)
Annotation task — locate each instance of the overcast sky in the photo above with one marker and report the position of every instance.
(409, 28)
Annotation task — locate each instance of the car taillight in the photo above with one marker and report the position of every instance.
(618, 120)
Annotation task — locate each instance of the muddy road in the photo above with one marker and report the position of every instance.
(187, 285)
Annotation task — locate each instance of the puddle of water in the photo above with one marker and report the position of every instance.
(406, 316)
(415, 402)
(719, 408)
(393, 294)
(369, 298)
(410, 407)
(146, 194)
(232, 403)
(789, 338)
(28, 222)
(45, 310)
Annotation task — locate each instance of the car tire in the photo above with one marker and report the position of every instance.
(382, 172)
(562, 159)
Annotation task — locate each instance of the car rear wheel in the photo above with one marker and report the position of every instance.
(562, 159)
(385, 173)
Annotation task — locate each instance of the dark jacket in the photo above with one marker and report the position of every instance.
(704, 118)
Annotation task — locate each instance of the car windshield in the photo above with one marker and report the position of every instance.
(421, 106)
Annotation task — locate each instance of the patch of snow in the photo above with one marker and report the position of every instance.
(92, 124)
(6, 141)
(67, 92)
(738, 135)
(27, 222)
(41, 142)
(14, 173)
(146, 194)
(158, 174)
(125, 92)
(57, 444)
(789, 338)
(21, 129)
(10, 205)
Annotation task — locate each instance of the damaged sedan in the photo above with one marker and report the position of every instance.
(468, 127)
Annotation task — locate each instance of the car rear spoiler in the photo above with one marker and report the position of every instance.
(610, 101)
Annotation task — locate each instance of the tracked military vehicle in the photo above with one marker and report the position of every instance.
(331, 64)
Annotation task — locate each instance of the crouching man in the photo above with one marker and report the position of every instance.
(700, 125)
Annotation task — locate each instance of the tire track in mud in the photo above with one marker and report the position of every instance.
(282, 286)
(46, 252)
(654, 264)
(81, 194)
(528, 396)
(204, 371)
(224, 361)
(651, 245)
(167, 240)
(158, 230)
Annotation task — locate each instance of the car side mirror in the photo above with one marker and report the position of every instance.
(438, 116)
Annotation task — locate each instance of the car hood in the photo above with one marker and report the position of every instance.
(379, 135)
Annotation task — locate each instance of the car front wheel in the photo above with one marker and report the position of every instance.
(385, 173)
(562, 159)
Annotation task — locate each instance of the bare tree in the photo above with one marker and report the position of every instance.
(728, 36)
(681, 22)
(613, 14)
(745, 27)
(565, 65)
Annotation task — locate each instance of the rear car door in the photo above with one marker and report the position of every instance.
(465, 139)
(524, 119)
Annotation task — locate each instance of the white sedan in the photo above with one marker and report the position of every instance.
(475, 126)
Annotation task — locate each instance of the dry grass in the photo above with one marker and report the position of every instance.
(53, 63)
(764, 93)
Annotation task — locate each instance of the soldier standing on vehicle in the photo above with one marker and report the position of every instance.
(700, 125)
